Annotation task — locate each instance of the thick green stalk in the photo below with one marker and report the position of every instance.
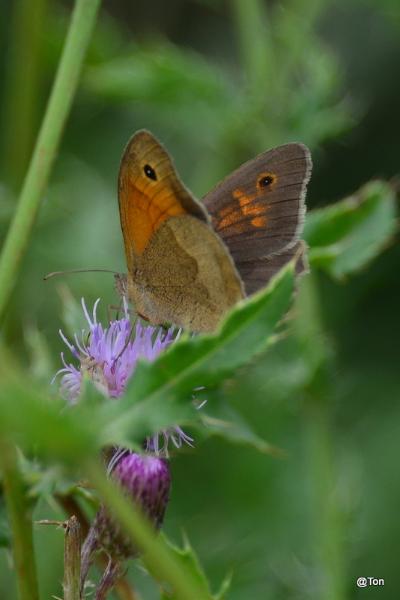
(65, 84)
(327, 513)
(22, 87)
(19, 514)
(256, 50)
(156, 555)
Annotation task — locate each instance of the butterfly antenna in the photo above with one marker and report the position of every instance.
(56, 273)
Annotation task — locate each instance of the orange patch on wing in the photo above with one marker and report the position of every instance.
(144, 211)
(230, 219)
(259, 222)
(246, 205)
(253, 209)
(225, 211)
(242, 198)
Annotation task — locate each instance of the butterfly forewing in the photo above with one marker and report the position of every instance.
(179, 270)
(259, 210)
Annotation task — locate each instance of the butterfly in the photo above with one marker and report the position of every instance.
(189, 262)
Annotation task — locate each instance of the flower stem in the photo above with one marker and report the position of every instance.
(64, 87)
(20, 517)
(123, 589)
(72, 559)
(156, 555)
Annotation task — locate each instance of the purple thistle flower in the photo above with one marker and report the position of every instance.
(108, 355)
(146, 480)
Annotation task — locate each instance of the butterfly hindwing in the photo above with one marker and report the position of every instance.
(258, 211)
(257, 273)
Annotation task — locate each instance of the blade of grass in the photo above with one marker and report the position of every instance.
(24, 70)
(65, 84)
(328, 523)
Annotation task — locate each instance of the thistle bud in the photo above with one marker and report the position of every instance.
(146, 480)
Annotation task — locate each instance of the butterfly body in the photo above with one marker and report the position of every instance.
(189, 263)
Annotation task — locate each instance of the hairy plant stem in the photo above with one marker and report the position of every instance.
(72, 559)
(20, 518)
(123, 589)
(64, 87)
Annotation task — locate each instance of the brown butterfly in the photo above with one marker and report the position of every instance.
(190, 262)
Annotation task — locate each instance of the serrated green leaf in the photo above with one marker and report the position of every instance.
(345, 236)
(159, 394)
(222, 420)
(190, 563)
(224, 588)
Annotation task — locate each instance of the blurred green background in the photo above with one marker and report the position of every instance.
(219, 81)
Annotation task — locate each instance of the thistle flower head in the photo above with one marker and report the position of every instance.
(146, 480)
(108, 355)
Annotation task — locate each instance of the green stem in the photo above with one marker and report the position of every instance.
(255, 45)
(258, 62)
(22, 87)
(157, 557)
(327, 514)
(20, 518)
(65, 84)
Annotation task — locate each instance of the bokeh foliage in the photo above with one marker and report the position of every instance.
(218, 82)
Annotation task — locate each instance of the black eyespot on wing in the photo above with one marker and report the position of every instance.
(150, 172)
(265, 180)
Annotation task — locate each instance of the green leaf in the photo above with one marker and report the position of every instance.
(190, 563)
(159, 394)
(159, 73)
(222, 420)
(345, 236)
(42, 424)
